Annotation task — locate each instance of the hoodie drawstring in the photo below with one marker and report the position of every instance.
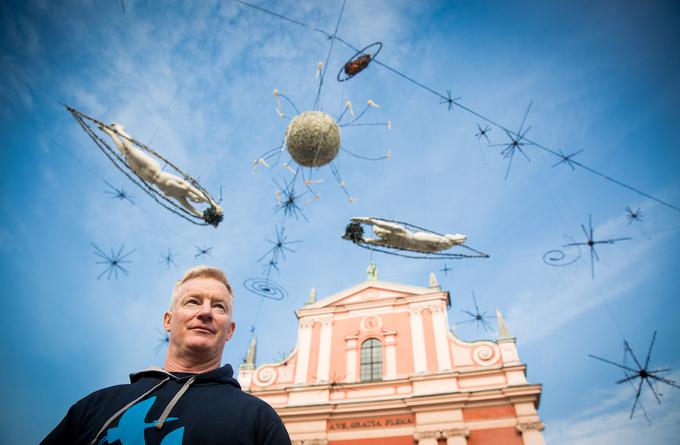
(123, 409)
(173, 402)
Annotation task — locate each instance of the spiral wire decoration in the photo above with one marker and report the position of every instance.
(266, 288)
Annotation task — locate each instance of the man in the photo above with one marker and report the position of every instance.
(191, 400)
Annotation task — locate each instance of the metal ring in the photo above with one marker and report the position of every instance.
(360, 52)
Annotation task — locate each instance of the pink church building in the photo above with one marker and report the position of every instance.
(377, 364)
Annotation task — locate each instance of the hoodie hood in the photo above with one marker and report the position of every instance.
(222, 375)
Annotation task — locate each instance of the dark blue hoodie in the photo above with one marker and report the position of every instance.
(160, 408)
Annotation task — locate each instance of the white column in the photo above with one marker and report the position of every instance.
(508, 351)
(323, 366)
(531, 432)
(351, 356)
(304, 348)
(390, 357)
(440, 331)
(418, 340)
(456, 436)
(245, 378)
(427, 437)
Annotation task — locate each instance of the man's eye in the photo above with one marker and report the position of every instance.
(192, 301)
(221, 307)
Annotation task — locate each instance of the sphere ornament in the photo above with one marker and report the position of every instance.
(313, 139)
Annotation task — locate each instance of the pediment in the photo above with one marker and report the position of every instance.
(370, 291)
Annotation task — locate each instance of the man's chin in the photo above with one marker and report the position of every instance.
(201, 343)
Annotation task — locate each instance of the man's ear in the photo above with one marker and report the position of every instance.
(167, 317)
(232, 328)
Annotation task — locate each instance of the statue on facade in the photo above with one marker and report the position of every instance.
(372, 272)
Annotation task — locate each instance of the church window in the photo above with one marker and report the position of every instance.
(371, 360)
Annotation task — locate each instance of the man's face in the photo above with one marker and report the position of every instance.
(201, 318)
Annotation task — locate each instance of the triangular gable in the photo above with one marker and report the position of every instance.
(370, 291)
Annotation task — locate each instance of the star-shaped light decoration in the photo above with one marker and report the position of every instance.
(113, 261)
(203, 251)
(478, 317)
(168, 258)
(591, 242)
(516, 144)
(483, 133)
(643, 372)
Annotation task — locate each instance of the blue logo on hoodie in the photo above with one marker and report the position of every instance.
(131, 427)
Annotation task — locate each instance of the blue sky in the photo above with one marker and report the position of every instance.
(196, 82)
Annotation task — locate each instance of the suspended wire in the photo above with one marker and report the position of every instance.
(366, 158)
(184, 81)
(367, 124)
(290, 102)
(616, 320)
(75, 158)
(167, 111)
(454, 102)
(328, 57)
(529, 141)
(283, 17)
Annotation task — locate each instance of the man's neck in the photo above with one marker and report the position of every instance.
(180, 364)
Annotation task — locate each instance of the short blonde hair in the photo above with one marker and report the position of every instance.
(200, 271)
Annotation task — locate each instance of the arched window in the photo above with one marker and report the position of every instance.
(371, 360)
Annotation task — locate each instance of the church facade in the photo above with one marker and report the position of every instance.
(377, 364)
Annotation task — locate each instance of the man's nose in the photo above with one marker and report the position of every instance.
(205, 311)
